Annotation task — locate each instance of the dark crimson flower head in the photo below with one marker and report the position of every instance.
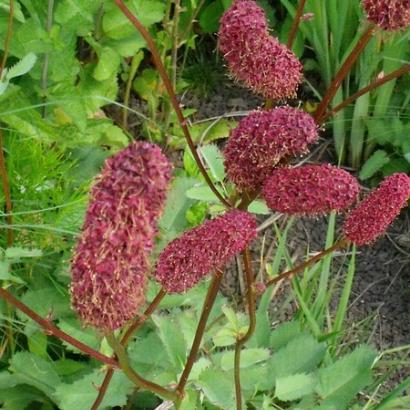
(111, 259)
(261, 139)
(388, 14)
(202, 250)
(377, 211)
(253, 56)
(310, 189)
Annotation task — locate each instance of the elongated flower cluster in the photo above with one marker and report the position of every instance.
(253, 56)
(261, 139)
(202, 250)
(310, 190)
(111, 259)
(388, 14)
(376, 212)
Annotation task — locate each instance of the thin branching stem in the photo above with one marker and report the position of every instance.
(372, 86)
(200, 330)
(174, 100)
(136, 324)
(249, 277)
(121, 353)
(8, 37)
(54, 330)
(296, 22)
(289, 274)
(342, 73)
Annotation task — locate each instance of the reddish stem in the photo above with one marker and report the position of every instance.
(137, 323)
(55, 331)
(8, 36)
(295, 24)
(375, 84)
(289, 274)
(174, 100)
(342, 73)
(206, 310)
(249, 277)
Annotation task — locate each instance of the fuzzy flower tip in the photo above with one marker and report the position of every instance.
(199, 251)
(377, 211)
(261, 139)
(310, 189)
(111, 258)
(388, 14)
(253, 56)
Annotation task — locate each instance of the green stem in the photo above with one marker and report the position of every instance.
(174, 100)
(342, 73)
(206, 310)
(133, 375)
(241, 341)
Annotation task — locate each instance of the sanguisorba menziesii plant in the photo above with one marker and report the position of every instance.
(111, 263)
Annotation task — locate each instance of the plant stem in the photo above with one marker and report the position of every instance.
(295, 24)
(200, 330)
(132, 374)
(3, 168)
(342, 73)
(375, 84)
(8, 37)
(175, 23)
(55, 331)
(138, 322)
(44, 70)
(174, 100)
(338, 245)
(252, 324)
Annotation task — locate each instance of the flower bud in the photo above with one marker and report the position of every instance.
(389, 15)
(262, 139)
(202, 250)
(310, 190)
(377, 211)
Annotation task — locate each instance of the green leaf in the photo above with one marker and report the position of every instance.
(196, 214)
(190, 165)
(74, 328)
(342, 380)
(301, 354)
(82, 393)
(259, 208)
(202, 192)
(22, 67)
(5, 273)
(18, 252)
(37, 344)
(172, 339)
(19, 397)
(210, 16)
(108, 63)
(35, 371)
(117, 26)
(374, 164)
(294, 387)
(218, 388)
(285, 333)
(214, 159)
(249, 357)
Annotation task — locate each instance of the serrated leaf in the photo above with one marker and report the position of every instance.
(22, 67)
(214, 159)
(374, 164)
(82, 393)
(218, 388)
(283, 334)
(74, 328)
(35, 371)
(301, 354)
(19, 397)
(249, 357)
(108, 63)
(172, 340)
(294, 387)
(18, 252)
(342, 380)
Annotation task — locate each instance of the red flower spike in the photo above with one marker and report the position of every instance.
(253, 56)
(310, 190)
(389, 15)
(202, 250)
(111, 259)
(263, 138)
(377, 211)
